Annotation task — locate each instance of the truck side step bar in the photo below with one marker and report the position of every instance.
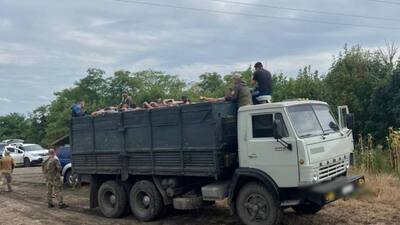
(290, 203)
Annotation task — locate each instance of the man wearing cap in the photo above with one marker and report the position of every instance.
(51, 168)
(6, 166)
(240, 94)
(126, 100)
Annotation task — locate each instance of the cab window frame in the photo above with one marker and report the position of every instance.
(273, 116)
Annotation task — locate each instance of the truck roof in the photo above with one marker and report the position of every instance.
(279, 104)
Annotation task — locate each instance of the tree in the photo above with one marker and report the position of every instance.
(13, 125)
(37, 121)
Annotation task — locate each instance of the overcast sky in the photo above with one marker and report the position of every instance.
(46, 45)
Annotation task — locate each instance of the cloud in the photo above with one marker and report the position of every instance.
(5, 99)
(5, 23)
(20, 54)
(98, 22)
(42, 97)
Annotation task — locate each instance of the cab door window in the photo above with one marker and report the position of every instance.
(263, 125)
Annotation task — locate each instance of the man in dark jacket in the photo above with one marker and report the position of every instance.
(263, 79)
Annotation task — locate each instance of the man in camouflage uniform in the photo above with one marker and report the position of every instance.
(51, 168)
(6, 166)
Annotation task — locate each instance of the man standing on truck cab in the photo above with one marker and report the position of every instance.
(77, 109)
(263, 79)
(240, 94)
(6, 166)
(51, 168)
(127, 100)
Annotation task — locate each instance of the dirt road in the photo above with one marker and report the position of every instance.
(27, 206)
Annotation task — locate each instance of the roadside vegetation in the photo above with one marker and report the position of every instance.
(379, 158)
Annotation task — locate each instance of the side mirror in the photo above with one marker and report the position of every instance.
(278, 129)
(350, 121)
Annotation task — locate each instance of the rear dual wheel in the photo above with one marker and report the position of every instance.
(145, 201)
(112, 199)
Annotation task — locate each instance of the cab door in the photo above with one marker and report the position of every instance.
(265, 153)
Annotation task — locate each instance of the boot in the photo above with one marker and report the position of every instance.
(50, 205)
(62, 206)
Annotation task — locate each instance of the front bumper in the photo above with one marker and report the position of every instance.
(37, 161)
(330, 191)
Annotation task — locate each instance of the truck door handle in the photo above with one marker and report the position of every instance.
(251, 156)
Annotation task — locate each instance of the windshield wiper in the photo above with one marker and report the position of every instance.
(307, 135)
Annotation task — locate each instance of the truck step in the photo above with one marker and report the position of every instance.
(290, 203)
(215, 191)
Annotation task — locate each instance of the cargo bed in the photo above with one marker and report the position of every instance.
(188, 140)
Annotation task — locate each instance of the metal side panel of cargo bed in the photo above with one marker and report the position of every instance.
(187, 140)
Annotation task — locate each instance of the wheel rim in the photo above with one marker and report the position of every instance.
(71, 179)
(256, 206)
(143, 200)
(110, 199)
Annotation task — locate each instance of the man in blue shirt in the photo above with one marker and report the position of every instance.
(77, 109)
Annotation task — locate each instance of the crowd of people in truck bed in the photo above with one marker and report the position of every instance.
(240, 94)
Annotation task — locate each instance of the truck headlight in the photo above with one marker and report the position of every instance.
(361, 182)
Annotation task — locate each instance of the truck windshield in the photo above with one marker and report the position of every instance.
(312, 120)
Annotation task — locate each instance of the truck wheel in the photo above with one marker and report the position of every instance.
(307, 208)
(68, 178)
(256, 206)
(145, 201)
(27, 162)
(72, 179)
(112, 199)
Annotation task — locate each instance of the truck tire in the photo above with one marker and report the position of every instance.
(27, 162)
(255, 205)
(112, 199)
(145, 201)
(72, 179)
(308, 208)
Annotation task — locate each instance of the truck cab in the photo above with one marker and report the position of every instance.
(298, 152)
(311, 148)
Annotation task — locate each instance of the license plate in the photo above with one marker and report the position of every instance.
(347, 189)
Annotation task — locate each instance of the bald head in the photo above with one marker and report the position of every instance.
(237, 78)
(52, 152)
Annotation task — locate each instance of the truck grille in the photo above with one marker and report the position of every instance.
(332, 170)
